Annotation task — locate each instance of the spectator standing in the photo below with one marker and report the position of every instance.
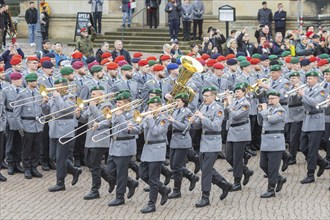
(173, 9)
(2, 26)
(8, 23)
(43, 3)
(280, 19)
(265, 16)
(217, 38)
(152, 6)
(186, 15)
(198, 11)
(44, 23)
(127, 13)
(120, 51)
(97, 9)
(244, 44)
(31, 18)
(85, 42)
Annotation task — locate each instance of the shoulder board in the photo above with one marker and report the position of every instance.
(151, 81)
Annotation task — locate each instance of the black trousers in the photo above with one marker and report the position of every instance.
(13, 147)
(177, 164)
(270, 163)
(309, 146)
(150, 174)
(139, 146)
(186, 29)
(2, 147)
(209, 174)
(295, 133)
(174, 28)
(153, 17)
(255, 132)
(196, 135)
(118, 170)
(44, 147)
(326, 137)
(4, 37)
(31, 149)
(97, 19)
(93, 161)
(79, 144)
(234, 156)
(280, 29)
(199, 24)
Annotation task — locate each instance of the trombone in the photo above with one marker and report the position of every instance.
(137, 119)
(221, 95)
(81, 103)
(292, 91)
(323, 104)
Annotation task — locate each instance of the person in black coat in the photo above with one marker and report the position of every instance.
(152, 6)
(119, 51)
(280, 19)
(244, 44)
(31, 18)
(217, 38)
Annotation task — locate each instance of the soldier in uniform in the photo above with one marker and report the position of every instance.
(80, 76)
(112, 72)
(313, 126)
(13, 138)
(272, 119)
(61, 127)
(210, 119)
(26, 117)
(32, 65)
(165, 60)
(239, 134)
(326, 86)
(154, 127)
(16, 66)
(231, 72)
(3, 122)
(97, 73)
(143, 75)
(180, 145)
(217, 80)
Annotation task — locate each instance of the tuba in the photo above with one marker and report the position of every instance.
(190, 66)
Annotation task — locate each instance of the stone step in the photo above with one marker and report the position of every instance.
(143, 30)
(145, 38)
(142, 41)
(139, 34)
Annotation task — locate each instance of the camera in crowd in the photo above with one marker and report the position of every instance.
(212, 29)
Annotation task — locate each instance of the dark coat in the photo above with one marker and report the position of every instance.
(31, 16)
(278, 16)
(124, 53)
(245, 46)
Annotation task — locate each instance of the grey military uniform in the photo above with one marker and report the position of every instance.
(178, 140)
(220, 83)
(152, 84)
(3, 117)
(48, 82)
(141, 78)
(90, 83)
(10, 95)
(251, 97)
(296, 109)
(122, 84)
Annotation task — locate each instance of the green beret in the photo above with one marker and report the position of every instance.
(272, 57)
(182, 96)
(294, 74)
(67, 70)
(324, 56)
(240, 86)
(126, 67)
(124, 90)
(280, 62)
(244, 63)
(123, 95)
(155, 99)
(294, 60)
(286, 53)
(60, 80)
(97, 88)
(156, 91)
(312, 73)
(275, 68)
(327, 70)
(273, 93)
(96, 69)
(151, 63)
(31, 77)
(241, 58)
(256, 55)
(245, 84)
(209, 88)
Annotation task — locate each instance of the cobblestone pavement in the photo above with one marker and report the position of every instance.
(30, 199)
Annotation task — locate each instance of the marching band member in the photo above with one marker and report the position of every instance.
(58, 128)
(272, 119)
(3, 123)
(326, 86)
(153, 153)
(210, 119)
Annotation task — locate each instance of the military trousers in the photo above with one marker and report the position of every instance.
(295, 133)
(79, 144)
(44, 147)
(150, 174)
(13, 147)
(93, 161)
(117, 168)
(209, 174)
(2, 147)
(31, 149)
(270, 162)
(234, 156)
(327, 136)
(177, 163)
(255, 132)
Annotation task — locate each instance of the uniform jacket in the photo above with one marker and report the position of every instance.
(181, 122)
(97, 5)
(9, 95)
(198, 10)
(295, 108)
(272, 119)
(48, 82)
(90, 83)
(251, 97)
(278, 16)
(175, 13)
(121, 84)
(187, 12)
(265, 16)
(326, 86)
(3, 117)
(85, 44)
(281, 86)
(142, 79)
(220, 83)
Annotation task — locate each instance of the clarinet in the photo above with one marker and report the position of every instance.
(184, 132)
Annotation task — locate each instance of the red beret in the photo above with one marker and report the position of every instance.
(151, 58)
(143, 62)
(15, 60)
(92, 64)
(205, 56)
(137, 55)
(44, 59)
(309, 33)
(106, 55)
(190, 54)
(218, 66)
(165, 57)
(119, 58)
(15, 76)
(83, 29)
(122, 63)
(287, 59)
(201, 60)
(17, 56)
(77, 65)
(248, 58)
(112, 66)
(158, 67)
(77, 55)
(230, 56)
(221, 58)
(210, 63)
(34, 58)
(322, 62)
(104, 61)
(254, 61)
(312, 59)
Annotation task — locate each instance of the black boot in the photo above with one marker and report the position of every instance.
(308, 179)
(52, 165)
(322, 166)
(280, 183)
(176, 190)
(237, 185)
(2, 178)
(146, 189)
(59, 186)
(221, 155)
(167, 173)
(108, 179)
(247, 174)
(119, 200)
(164, 191)
(4, 165)
(92, 195)
(195, 160)
(193, 179)
(11, 170)
(225, 190)
(246, 157)
(270, 192)
(45, 167)
(204, 201)
(135, 169)
(285, 158)
(292, 161)
(36, 173)
(18, 168)
(75, 175)
(132, 185)
(150, 207)
(27, 173)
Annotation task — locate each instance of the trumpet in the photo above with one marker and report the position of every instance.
(137, 119)
(81, 103)
(189, 124)
(292, 91)
(256, 87)
(323, 104)
(221, 95)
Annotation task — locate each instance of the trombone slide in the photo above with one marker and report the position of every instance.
(292, 91)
